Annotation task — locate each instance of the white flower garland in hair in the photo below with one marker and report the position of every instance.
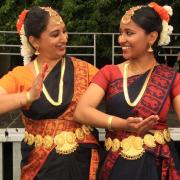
(26, 50)
(166, 29)
(165, 34)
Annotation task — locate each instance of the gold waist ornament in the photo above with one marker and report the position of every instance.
(133, 147)
(65, 142)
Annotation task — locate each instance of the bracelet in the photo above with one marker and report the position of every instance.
(28, 97)
(109, 126)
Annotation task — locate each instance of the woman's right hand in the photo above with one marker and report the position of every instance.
(37, 85)
(140, 125)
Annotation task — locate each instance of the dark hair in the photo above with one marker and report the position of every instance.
(36, 22)
(149, 20)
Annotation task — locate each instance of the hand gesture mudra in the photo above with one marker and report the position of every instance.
(140, 125)
(37, 85)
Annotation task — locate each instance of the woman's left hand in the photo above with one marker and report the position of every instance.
(147, 124)
(37, 86)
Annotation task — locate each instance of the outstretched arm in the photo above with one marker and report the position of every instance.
(9, 102)
(86, 113)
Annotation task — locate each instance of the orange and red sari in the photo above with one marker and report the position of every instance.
(46, 125)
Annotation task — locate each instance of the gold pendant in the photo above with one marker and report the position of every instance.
(149, 141)
(47, 141)
(159, 138)
(30, 139)
(38, 141)
(86, 129)
(116, 145)
(167, 135)
(108, 143)
(79, 134)
(65, 142)
(132, 148)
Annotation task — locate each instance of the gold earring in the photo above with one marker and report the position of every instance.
(37, 52)
(150, 49)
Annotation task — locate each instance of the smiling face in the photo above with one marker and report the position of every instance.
(52, 42)
(133, 40)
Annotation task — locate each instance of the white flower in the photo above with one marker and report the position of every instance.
(165, 34)
(168, 9)
(170, 29)
(168, 40)
(26, 50)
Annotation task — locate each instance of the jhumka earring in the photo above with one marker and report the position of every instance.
(37, 52)
(150, 49)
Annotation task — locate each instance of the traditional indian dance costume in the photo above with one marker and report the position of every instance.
(55, 146)
(128, 156)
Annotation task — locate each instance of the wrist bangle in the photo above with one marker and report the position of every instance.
(28, 98)
(109, 127)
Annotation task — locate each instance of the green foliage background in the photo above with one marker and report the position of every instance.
(81, 16)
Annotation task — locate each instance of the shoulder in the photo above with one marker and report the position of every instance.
(165, 67)
(176, 86)
(109, 68)
(165, 71)
(107, 74)
(177, 79)
(170, 73)
(17, 79)
(111, 71)
(78, 62)
(21, 71)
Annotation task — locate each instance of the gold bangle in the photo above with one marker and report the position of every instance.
(110, 118)
(28, 97)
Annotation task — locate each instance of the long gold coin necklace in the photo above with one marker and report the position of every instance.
(125, 86)
(61, 83)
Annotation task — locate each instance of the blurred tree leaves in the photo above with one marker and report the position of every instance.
(81, 16)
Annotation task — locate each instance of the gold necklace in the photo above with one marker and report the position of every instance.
(60, 95)
(125, 86)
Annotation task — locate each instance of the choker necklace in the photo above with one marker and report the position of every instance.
(125, 86)
(60, 95)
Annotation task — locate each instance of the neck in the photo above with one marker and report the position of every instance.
(140, 65)
(51, 62)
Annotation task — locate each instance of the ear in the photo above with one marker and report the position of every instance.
(34, 42)
(152, 37)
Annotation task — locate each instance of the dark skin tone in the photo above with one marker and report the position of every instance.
(86, 111)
